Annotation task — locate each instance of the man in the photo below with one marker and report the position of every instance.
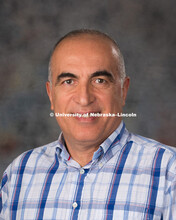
(97, 170)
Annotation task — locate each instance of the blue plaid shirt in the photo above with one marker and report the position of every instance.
(129, 177)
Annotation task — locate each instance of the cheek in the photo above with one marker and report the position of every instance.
(112, 98)
(61, 102)
(56, 100)
(117, 95)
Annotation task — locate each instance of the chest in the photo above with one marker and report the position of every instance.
(100, 193)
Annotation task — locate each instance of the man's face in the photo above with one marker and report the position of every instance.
(85, 80)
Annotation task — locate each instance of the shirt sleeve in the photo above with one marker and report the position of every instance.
(4, 197)
(169, 201)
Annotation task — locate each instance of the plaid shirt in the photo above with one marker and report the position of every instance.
(129, 177)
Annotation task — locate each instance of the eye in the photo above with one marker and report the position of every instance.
(68, 81)
(100, 81)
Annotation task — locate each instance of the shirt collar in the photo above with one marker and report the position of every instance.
(61, 149)
(108, 143)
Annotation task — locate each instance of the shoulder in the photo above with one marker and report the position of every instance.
(30, 159)
(151, 149)
(151, 144)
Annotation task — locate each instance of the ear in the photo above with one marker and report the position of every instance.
(49, 92)
(125, 87)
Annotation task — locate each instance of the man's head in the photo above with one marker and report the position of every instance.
(87, 75)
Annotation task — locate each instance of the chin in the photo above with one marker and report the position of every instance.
(86, 136)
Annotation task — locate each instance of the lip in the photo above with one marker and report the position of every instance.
(85, 116)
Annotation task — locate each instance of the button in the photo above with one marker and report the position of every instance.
(82, 171)
(74, 205)
(100, 165)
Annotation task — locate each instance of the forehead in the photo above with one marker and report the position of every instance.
(84, 48)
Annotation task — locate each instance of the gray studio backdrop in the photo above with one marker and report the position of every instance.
(145, 31)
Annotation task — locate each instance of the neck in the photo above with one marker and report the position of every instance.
(81, 154)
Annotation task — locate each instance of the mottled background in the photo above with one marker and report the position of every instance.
(146, 33)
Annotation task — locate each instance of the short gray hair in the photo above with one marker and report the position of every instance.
(74, 33)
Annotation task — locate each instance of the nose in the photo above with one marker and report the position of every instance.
(84, 95)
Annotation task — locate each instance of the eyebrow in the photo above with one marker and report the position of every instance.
(65, 75)
(95, 74)
(103, 73)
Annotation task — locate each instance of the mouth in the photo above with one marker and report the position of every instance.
(86, 116)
